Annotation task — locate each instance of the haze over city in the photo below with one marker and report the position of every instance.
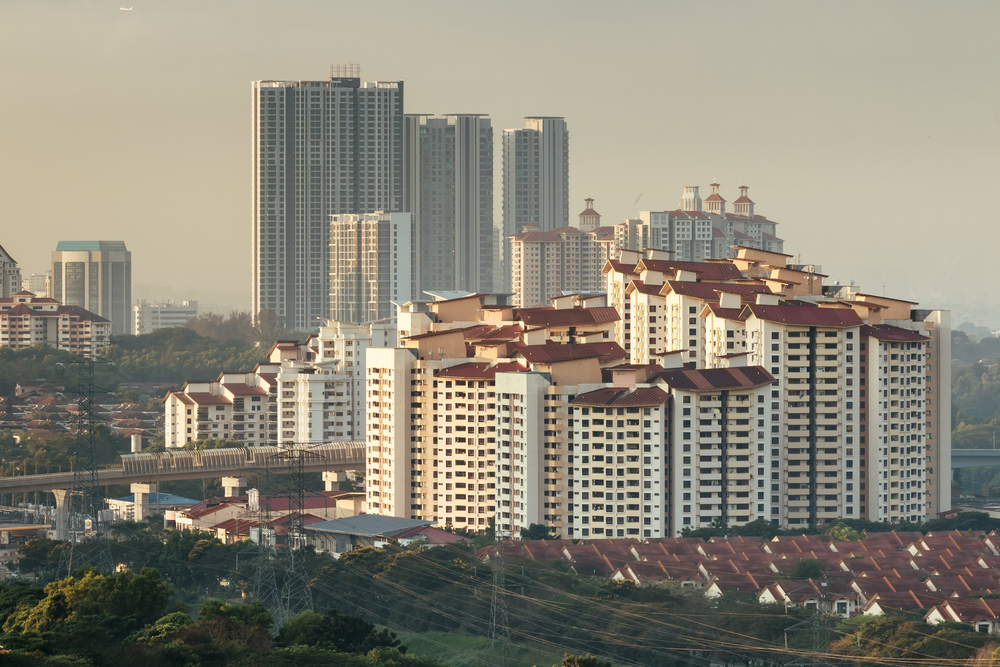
(869, 132)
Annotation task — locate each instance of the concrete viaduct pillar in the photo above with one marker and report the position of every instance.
(62, 513)
(140, 500)
(232, 485)
(332, 480)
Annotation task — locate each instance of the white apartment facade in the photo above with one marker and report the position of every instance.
(699, 230)
(27, 320)
(320, 148)
(150, 317)
(371, 265)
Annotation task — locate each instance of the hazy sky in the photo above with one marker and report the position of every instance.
(869, 130)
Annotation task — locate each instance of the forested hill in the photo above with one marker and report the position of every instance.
(169, 355)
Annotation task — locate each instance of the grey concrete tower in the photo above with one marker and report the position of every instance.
(320, 148)
(449, 191)
(535, 181)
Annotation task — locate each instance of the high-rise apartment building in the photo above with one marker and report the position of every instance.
(10, 276)
(320, 148)
(751, 392)
(371, 265)
(565, 260)
(39, 284)
(535, 180)
(96, 276)
(150, 317)
(701, 230)
(449, 191)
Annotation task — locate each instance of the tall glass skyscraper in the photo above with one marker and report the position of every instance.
(319, 148)
(97, 276)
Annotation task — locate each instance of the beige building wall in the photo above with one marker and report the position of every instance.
(388, 468)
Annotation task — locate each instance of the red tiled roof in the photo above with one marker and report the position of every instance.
(567, 317)
(536, 237)
(495, 335)
(620, 267)
(623, 397)
(889, 332)
(566, 230)
(715, 196)
(554, 353)
(479, 371)
(706, 270)
(788, 314)
(709, 291)
(725, 313)
(716, 378)
(590, 211)
(643, 287)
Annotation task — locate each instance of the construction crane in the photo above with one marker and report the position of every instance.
(629, 214)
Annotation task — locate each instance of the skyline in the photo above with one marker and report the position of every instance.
(881, 130)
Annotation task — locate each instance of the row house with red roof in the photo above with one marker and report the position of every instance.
(27, 320)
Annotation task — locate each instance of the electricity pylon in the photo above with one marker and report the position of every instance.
(86, 528)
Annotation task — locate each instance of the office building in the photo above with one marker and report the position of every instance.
(96, 276)
(320, 148)
(371, 265)
(10, 275)
(535, 180)
(150, 317)
(27, 320)
(449, 191)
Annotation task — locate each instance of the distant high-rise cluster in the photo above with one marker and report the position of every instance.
(323, 150)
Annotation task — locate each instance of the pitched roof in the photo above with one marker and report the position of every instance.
(554, 352)
(567, 317)
(479, 371)
(789, 314)
(891, 333)
(370, 525)
(623, 397)
(710, 379)
(710, 291)
(706, 270)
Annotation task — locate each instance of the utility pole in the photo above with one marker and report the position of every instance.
(86, 529)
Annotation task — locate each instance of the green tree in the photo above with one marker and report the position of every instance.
(807, 568)
(536, 531)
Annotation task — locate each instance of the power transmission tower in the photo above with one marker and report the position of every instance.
(819, 624)
(296, 595)
(264, 586)
(499, 623)
(88, 534)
